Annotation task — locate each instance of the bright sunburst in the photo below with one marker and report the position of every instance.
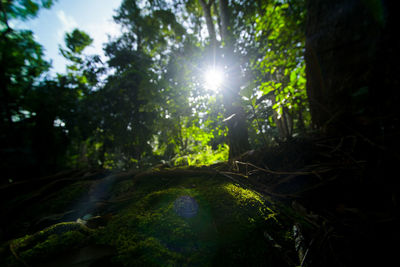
(213, 78)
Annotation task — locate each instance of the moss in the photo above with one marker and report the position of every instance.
(148, 252)
(122, 188)
(64, 199)
(49, 242)
(53, 245)
(149, 231)
(225, 226)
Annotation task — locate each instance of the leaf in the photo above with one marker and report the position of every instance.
(266, 88)
(247, 92)
(253, 101)
(293, 77)
(302, 80)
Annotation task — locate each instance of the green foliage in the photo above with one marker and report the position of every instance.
(77, 41)
(280, 64)
(205, 156)
(147, 103)
(24, 9)
(21, 120)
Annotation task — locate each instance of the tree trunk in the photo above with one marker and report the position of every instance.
(237, 128)
(352, 57)
(284, 122)
(209, 22)
(351, 64)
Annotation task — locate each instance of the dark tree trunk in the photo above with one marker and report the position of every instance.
(351, 64)
(5, 99)
(238, 139)
(237, 128)
(352, 67)
(209, 22)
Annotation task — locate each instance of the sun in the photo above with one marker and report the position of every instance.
(213, 78)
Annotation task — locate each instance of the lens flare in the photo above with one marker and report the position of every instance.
(213, 78)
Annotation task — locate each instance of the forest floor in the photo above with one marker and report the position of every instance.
(159, 217)
(302, 203)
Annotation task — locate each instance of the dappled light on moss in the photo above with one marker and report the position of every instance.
(168, 218)
(243, 195)
(186, 223)
(160, 223)
(246, 197)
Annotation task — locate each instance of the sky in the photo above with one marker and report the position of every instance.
(92, 16)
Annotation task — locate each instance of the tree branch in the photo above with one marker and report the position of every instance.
(210, 25)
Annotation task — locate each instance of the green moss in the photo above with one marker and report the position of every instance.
(149, 231)
(50, 242)
(123, 188)
(148, 252)
(53, 245)
(225, 228)
(65, 198)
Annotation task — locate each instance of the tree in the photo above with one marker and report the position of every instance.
(127, 103)
(148, 101)
(236, 121)
(279, 65)
(153, 73)
(21, 64)
(351, 66)
(352, 71)
(154, 28)
(80, 82)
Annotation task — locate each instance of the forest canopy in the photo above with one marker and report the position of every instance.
(189, 82)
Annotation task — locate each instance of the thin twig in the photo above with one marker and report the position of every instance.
(235, 173)
(306, 253)
(274, 172)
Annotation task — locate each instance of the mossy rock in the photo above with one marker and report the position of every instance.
(173, 218)
(32, 250)
(66, 197)
(225, 225)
